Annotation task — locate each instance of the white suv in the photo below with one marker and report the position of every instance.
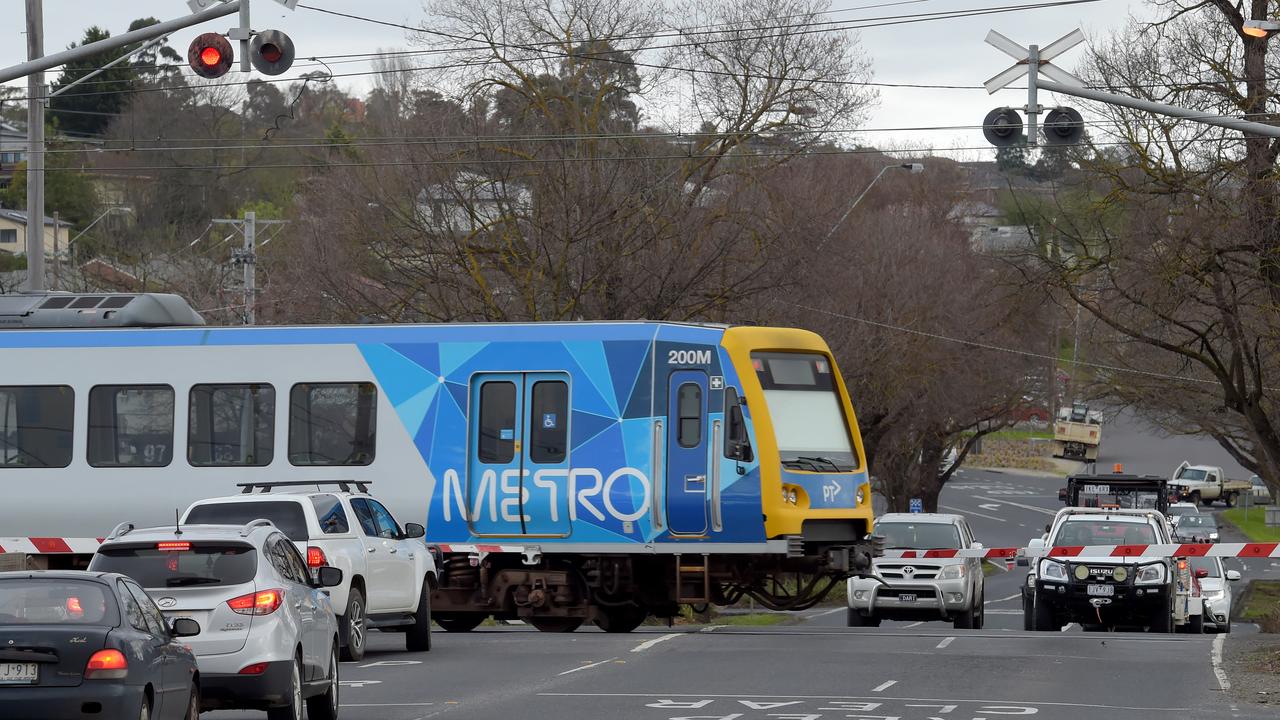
(387, 572)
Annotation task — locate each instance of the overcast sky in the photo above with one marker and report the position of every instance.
(948, 52)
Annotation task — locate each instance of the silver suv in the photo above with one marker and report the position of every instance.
(920, 588)
(269, 638)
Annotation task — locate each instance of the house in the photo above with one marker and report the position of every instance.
(13, 150)
(470, 202)
(13, 234)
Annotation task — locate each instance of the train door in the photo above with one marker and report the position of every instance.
(518, 459)
(687, 452)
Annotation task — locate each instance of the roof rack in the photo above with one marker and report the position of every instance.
(266, 487)
(252, 525)
(123, 528)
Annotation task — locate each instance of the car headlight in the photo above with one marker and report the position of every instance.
(1053, 571)
(953, 572)
(1153, 574)
(1216, 595)
(1213, 536)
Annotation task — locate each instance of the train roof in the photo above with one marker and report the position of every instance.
(95, 310)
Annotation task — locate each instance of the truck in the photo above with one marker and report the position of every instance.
(1109, 592)
(1205, 483)
(1077, 433)
(1116, 490)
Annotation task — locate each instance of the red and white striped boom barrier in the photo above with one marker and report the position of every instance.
(1236, 550)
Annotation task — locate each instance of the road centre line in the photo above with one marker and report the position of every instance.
(1215, 656)
(868, 697)
(972, 512)
(884, 686)
(1021, 505)
(946, 641)
(412, 704)
(650, 643)
(586, 667)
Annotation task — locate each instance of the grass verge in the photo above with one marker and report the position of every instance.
(1262, 605)
(1255, 527)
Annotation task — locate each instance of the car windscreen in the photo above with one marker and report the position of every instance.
(1104, 532)
(918, 536)
(41, 601)
(1183, 510)
(173, 564)
(1199, 521)
(1192, 474)
(284, 514)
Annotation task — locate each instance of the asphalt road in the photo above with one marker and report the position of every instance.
(817, 669)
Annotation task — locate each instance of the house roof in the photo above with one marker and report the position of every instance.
(20, 217)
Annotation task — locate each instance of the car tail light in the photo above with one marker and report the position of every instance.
(106, 665)
(173, 546)
(315, 557)
(254, 669)
(263, 602)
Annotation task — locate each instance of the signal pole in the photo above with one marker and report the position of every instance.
(247, 258)
(35, 149)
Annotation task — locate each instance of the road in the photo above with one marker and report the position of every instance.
(817, 669)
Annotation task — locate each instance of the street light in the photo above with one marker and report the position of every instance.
(913, 167)
(1259, 28)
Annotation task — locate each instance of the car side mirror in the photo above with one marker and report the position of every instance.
(184, 627)
(1047, 528)
(1233, 575)
(1035, 543)
(328, 576)
(1202, 572)
(414, 530)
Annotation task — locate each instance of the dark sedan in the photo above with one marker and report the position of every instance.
(79, 644)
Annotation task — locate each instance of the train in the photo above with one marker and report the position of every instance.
(565, 471)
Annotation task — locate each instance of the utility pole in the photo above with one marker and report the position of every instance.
(247, 258)
(35, 149)
(57, 256)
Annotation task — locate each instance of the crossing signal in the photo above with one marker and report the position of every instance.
(1063, 126)
(271, 52)
(1002, 127)
(210, 55)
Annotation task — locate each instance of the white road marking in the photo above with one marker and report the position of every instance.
(990, 506)
(1002, 612)
(946, 641)
(650, 643)
(884, 686)
(988, 701)
(825, 613)
(1024, 507)
(1014, 596)
(914, 624)
(414, 704)
(1068, 626)
(1215, 655)
(971, 512)
(587, 667)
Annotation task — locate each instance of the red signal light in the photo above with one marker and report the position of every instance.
(210, 57)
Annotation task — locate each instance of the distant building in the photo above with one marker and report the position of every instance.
(470, 202)
(13, 234)
(13, 150)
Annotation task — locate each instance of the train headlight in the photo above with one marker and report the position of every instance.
(792, 497)
(859, 497)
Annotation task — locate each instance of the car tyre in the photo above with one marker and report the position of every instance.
(1162, 619)
(325, 706)
(621, 619)
(193, 702)
(556, 624)
(417, 637)
(964, 621)
(1028, 618)
(144, 713)
(292, 710)
(1230, 499)
(1043, 617)
(353, 626)
(1195, 625)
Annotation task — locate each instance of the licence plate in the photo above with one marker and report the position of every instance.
(907, 597)
(19, 673)
(1101, 590)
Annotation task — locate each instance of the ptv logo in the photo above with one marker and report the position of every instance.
(831, 491)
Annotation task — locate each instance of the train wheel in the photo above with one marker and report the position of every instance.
(556, 624)
(620, 619)
(460, 622)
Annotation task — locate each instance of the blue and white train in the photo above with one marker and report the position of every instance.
(602, 471)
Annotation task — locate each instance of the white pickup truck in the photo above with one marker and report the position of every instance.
(1206, 483)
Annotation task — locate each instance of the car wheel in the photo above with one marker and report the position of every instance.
(1195, 625)
(459, 622)
(417, 637)
(144, 713)
(1225, 627)
(622, 619)
(556, 624)
(1028, 619)
(964, 621)
(1231, 500)
(353, 626)
(1162, 619)
(1043, 616)
(325, 707)
(193, 703)
(853, 618)
(293, 710)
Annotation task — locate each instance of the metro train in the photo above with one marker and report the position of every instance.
(565, 471)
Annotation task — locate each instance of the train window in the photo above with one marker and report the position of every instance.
(549, 422)
(35, 426)
(130, 426)
(737, 444)
(332, 423)
(497, 441)
(689, 407)
(230, 425)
